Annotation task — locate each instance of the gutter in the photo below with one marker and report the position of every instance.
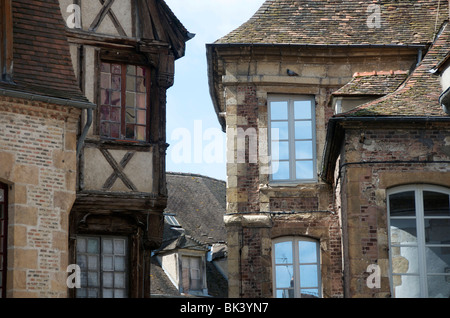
(58, 101)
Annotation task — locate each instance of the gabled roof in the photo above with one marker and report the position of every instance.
(419, 95)
(42, 61)
(372, 84)
(341, 22)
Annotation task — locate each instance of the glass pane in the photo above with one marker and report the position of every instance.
(82, 262)
(116, 69)
(92, 246)
(105, 81)
(108, 280)
(140, 71)
(81, 245)
(93, 262)
(81, 293)
(119, 263)
(108, 293)
(308, 276)
(405, 260)
(119, 280)
(279, 130)
(140, 85)
(131, 84)
(307, 252)
(116, 98)
(108, 263)
(106, 67)
(280, 150)
(302, 109)
(119, 293)
(142, 117)
(92, 293)
(105, 129)
(104, 112)
(406, 286)
(436, 204)
(131, 100)
(304, 170)
(131, 70)
(303, 130)
(115, 130)
(131, 116)
(303, 150)
(280, 170)
(115, 114)
(141, 101)
(105, 95)
(279, 110)
(309, 293)
(93, 279)
(438, 286)
(119, 247)
(403, 231)
(130, 132)
(285, 293)
(116, 83)
(141, 133)
(283, 253)
(437, 231)
(284, 276)
(402, 204)
(438, 260)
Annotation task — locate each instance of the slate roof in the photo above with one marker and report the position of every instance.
(341, 22)
(373, 84)
(199, 204)
(42, 61)
(419, 95)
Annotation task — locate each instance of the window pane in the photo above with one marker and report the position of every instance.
(279, 110)
(308, 276)
(81, 245)
(304, 170)
(438, 260)
(307, 252)
(303, 150)
(303, 130)
(402, 204)
(108, 263)
(436, 204)
(284, 276)
(131, 100)
(108, 293)
(283, 253)
(438, 286)
(119, 247)
(93, 262)
(280, 150)
(279, 130)
(116, 83)
(93, 279)
(406, 286)
(403, 231)
(116, 98)
(280, 170)
(131, 70)
(92, 246)
(108, 280)
(141, 133)
(405, 260)
(302, 109)
(437, 231)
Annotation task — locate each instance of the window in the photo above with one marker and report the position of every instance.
(419, 223)
(296, 264)
(124, 111)
(6, 42)
(192, 276)
(292, 139)
(3, 237)
(103, 262)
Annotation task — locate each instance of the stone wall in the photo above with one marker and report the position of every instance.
(38, 162)
(375, 159)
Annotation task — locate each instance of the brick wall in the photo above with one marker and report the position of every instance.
(376, 160)
(38, 161)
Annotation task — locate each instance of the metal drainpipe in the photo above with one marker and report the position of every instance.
(87, 126)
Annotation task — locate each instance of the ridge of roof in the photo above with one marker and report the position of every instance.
(328, 22)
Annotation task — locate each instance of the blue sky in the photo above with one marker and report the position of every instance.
(197, 144)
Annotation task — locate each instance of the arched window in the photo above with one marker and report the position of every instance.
(3, 237)
(419, 233)
(296, 268)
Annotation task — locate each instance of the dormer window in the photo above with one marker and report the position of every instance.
(6, 35)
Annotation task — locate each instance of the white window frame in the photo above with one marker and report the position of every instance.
(296, 264)
(418, 190)
(291, 126)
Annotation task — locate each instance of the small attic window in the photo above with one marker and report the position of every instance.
(6, 42)
(171, 220)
